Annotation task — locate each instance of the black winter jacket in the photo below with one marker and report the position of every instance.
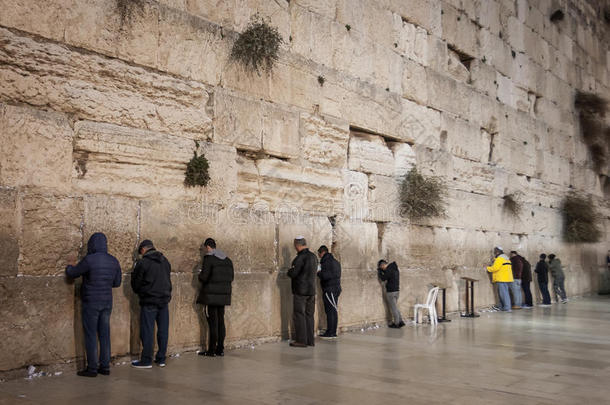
(330, 273)
(542, 270)
(391, 276)
(101, 272)
(216, 277)
(303, 273)
(151, 279)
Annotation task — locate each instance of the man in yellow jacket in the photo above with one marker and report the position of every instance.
(502, 275)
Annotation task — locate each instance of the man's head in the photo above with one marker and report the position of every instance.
(498, 251)
(551, 257)
(145, 246)
(513, 253)
(322, 250)
(209, 245)
(382, 264)
(542, 256)
(300, 243)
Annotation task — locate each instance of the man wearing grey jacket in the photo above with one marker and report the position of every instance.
(558, 278)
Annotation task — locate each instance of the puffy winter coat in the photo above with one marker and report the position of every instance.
(542, 270)
(391, 276)
(303, 273)
(100, 271)
(216, 277)
(501, 270)
(330, 273)
(151, 279)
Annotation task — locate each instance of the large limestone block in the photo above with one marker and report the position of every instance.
(384, 198)
(180, 228)
(456, 68)
(324, 140)
(316, 230)
(35, 148)
(483, 77)
(352, 50)
(117, 218)
(426, 13)
(370, 154)
(464, 139)
(280, 132)
(459, 30)
(496, 52)
(414, 82)
(94, 87)
(356, 244)
(41, 323)
(473, 176)
(145, 163)
(422, 124)
(188, 328)
(9, 243)
(307, 33)
(404, 158)
(355, 194)
(447, 94)
(51, 233)
(362, 300)
(325, 8)
(283, 184)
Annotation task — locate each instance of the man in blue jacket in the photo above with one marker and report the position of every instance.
(330, 281)
(101, 273)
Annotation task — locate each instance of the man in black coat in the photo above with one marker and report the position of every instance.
(303, 275)
(390, 274)
(101, 273)
(330, 281)
(216, 277)
(542, 271)
(151, 281)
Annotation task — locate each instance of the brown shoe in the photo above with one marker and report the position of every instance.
(516, 307)
(297, 344)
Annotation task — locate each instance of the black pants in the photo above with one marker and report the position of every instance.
(544, 291)
(331, 298)
(216, 322)
(527, 293)
(303, 307)
(149, 315)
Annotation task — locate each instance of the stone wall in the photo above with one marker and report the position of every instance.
(101, 103)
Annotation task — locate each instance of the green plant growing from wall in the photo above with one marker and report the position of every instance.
(257, 47)
(321, 80)
(591, 112)
(197, 170)
(580, 219)
(422, 196)
(512, 204)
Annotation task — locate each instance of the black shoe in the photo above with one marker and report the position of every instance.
(103, 371)
(400, 325)
(86, 373)
(393, 326)
(220, 353)
(206, 353)
(297, 344)
(160, 363)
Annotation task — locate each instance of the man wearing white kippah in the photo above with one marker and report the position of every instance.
(303, 275)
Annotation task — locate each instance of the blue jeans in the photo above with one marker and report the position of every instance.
(515, 288)
(504, 296)
(96, 324)
(149, 314)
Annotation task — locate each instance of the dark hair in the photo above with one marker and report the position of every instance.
(552, 256)
(543, 256)
(323, 249)
(380, 262)
(513, 252)
(145, 243)
(210, 242)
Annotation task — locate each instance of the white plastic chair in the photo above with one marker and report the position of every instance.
(430, 305)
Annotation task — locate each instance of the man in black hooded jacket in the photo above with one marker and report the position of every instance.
(216, 277)
(151, 281)
(390, 274)
(330, 281)
(101, 273)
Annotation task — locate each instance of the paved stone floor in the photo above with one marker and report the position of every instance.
(557, 355)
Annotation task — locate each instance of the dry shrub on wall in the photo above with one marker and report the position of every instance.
(512, 204)
(592, 110)
(197, 170)
(422, 196)
(580, 219)
(257, 48)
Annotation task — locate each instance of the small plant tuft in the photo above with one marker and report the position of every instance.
(257, 48)
(580, 219)
(592, 110)
(422, 196)
(348, 27)
(321, 80)
(512, 204)
(196, 173)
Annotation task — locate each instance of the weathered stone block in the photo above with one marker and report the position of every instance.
(280, 132)
(465, 139)
(324, 140)
(414, 82)
(9, 242)
(404, 158)
(384, 198)
(35, 148)
(98, 88)
(426, 14)
(483, 77)
(316, 230)
(50, 224)
(356, 244)
(459, 30)
(355, 194)
(370, 154)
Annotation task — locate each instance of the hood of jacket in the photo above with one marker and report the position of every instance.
(326, 257)
(218, 253)
(97, 243)
(154, 255)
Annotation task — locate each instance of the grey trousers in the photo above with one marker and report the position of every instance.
(392, 298)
